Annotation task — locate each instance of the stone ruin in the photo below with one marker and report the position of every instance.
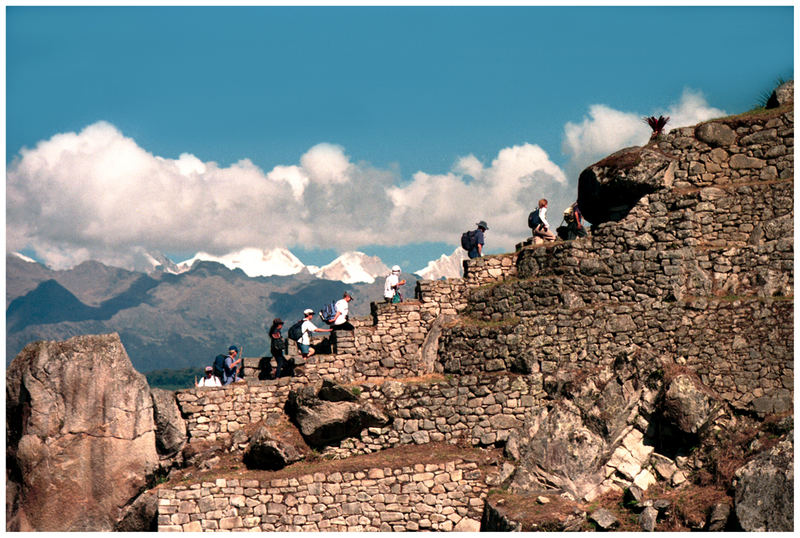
(604, 364)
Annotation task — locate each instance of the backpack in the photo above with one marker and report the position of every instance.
(534, 220)
(468, 240)
(296, 331)
(219, 365)
(329, 311)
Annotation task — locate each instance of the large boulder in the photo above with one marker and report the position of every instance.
(274, 444)
(170, 426)
(80, 435)
(326, 422)
(764, 492)
(608, 189)
(688, 404)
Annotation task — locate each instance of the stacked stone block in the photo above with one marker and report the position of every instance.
(434, 497)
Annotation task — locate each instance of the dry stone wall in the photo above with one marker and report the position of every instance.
(434, 497)
(701, 270)
(478, 409)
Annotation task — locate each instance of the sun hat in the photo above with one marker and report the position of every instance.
(482, 224)
(308, 311)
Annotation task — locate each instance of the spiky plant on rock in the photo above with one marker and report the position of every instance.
(657, 125)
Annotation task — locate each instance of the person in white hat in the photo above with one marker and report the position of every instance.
(304, 344)
(392, 285)
(210, 380)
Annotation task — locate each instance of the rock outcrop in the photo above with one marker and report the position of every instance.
(764, 490)
(591, 438)
(609, 189)
(272, 446)
(81, 436)
(170, 427)
(326, 421)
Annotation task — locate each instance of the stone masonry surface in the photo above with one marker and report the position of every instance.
(435, 497)
(701, 271)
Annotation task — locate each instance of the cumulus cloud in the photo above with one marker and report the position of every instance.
(606, 130)
(97, 195)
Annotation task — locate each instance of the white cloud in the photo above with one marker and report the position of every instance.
(606, 130)
(97, 194)
(439, 207)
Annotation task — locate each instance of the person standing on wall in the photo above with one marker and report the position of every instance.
(477, 249)
(391, 287)
(277, 346)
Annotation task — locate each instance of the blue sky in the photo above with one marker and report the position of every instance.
(386, 130)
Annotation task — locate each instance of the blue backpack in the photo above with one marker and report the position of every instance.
(329, 311)
(533, 219)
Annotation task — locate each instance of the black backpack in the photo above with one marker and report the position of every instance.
(533, 219)
(296, 331)
(468, 240)
(219, 365)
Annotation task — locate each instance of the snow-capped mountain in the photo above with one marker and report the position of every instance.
(23, 257)
(159, 262)
(253, 261)
(352, 267)
(445, 267)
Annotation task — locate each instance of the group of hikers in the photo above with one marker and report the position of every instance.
(473, 241)
(227, 368)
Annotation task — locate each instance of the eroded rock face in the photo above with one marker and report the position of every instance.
(324, 422)
(592, 438)
(81, 435)
(764, 490)
(170, 426)
(609, 189)
(271, 448)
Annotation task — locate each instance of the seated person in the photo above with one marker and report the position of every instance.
(231, 366)
(210, 380)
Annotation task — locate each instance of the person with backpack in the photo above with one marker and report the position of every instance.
(231, 366)
(537, 222)
(340, 320)
(300, 331)
(475, 240)
(277, 346)
(391, 286)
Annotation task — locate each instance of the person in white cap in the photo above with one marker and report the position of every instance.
(392, 285)
(210, 380)
(304, 344)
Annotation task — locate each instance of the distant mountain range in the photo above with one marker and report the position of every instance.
(178, 315)
(350, 267)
